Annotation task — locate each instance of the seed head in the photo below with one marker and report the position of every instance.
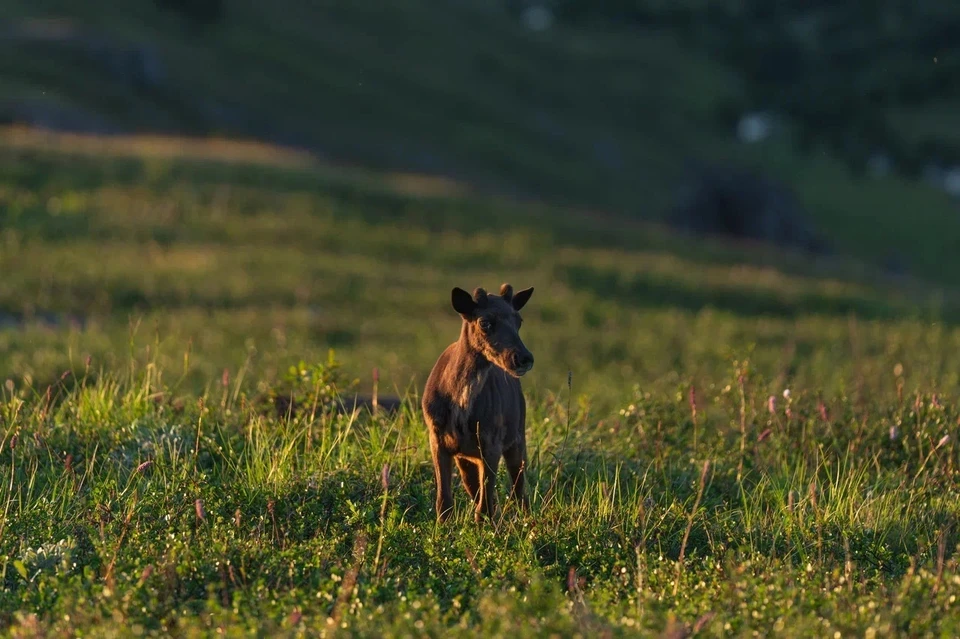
(385, 477)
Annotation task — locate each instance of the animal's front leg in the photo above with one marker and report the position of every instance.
(443, 471)
(516, 459)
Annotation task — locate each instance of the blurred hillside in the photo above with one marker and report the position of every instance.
(875, 82)
(606, 107)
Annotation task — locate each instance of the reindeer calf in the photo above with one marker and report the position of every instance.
(473, 404)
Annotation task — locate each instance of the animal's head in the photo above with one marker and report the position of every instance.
(492, 326)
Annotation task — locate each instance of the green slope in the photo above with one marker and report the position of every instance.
(273, 261)
(601, 118)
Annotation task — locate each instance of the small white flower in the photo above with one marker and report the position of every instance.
(786, 393)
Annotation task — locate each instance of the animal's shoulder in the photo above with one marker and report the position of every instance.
(434, 393)
(437, 406)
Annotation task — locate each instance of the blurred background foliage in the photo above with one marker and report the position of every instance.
(614, 106)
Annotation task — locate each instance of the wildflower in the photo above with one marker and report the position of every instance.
(943, 440)
(764, 435)
(786, 393)
(894, 433)
(198, 505)
(772, 405)
(572, 579)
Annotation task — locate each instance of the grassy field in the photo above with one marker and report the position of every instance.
(752, 444)
(594, 117)
(565, 113)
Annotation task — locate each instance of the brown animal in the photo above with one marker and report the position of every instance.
(473, 405)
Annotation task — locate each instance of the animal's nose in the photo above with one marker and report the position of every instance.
(526, 360)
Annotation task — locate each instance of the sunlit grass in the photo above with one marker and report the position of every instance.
(166, 517)
(735, 441)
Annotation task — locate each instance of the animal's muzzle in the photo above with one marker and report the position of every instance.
(522, 361)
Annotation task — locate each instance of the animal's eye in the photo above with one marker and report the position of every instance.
(485, 324)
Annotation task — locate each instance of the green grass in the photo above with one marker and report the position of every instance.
(154, 489)
(127, 512)
(261, 265)
(596, 117)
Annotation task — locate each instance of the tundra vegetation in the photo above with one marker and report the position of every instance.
(721, 441)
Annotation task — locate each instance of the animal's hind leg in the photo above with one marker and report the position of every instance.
(470, 474)
(443, 471)
(516, 460)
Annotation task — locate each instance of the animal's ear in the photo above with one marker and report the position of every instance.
(463, 303)
(521, 297)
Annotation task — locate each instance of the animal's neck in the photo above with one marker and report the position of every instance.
(470, 371)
